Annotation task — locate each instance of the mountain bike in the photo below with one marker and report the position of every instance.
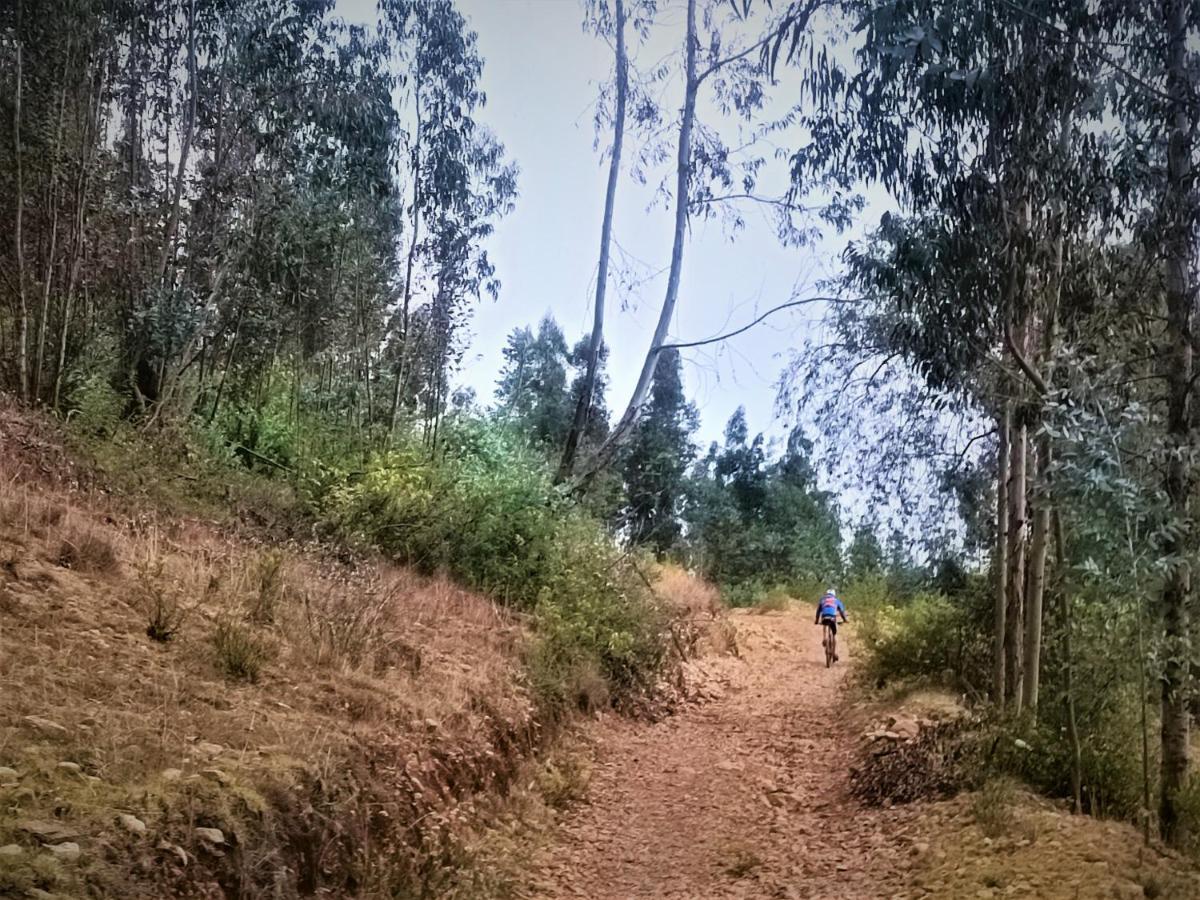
(829, 641)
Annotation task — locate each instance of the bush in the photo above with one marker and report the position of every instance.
(927, 637)
(84, 549)
(486, 511)
(241, 654)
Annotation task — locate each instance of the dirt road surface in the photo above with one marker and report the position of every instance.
(744, 796)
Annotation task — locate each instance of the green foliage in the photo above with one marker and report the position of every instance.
(928, 636)
(755, 524)
(96, 405)
(657, 460)
(485, 510)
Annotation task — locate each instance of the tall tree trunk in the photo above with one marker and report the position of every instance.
(1064, 600)
(189, 130)
(18, 216)
(1179, 207)
(1015, 617)
(406, 302)
(583, 408)
(52, 250)
(1036, 582)
(83, 182)
(683, 166)
(1000, 561)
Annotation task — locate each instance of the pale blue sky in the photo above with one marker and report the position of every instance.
(541, 77)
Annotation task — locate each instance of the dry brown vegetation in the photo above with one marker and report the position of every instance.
(343, 726)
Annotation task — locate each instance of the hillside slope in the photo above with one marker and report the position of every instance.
(190, 708)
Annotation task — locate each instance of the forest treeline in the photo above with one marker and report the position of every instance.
(253, 221)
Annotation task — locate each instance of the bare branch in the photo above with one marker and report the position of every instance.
(782, 306)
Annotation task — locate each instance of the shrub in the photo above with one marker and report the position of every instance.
(84, 549)
(241, 654)
(927, 637)
(486, 511)
(994, 806)
(776, 600)
(97, 405)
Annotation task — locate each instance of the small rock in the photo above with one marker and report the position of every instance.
(45, 726)
(920, 848)
(132, 824)
(890, 736)
(67, 851)
(45, 831)
(10, 851)
(210, 749)
(7, 774)
(211, 835)
(73, 768)
(221, 778)
(172, 774)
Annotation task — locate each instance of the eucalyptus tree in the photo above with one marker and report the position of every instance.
(603, 21)
(986, 130)
(721, 51)
(459, 184)
(995, 127)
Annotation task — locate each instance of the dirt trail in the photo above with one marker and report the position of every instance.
(743, 796)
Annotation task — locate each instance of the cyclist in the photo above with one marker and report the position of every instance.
(828, 609)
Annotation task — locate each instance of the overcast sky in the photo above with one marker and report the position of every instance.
(541, 76)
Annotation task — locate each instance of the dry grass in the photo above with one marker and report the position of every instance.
(702, 624)
(775, 601)
(145, 654)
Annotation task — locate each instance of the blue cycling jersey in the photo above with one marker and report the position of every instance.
(830, 607)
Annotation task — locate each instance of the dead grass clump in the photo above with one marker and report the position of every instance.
(994, 807)
(84, 549)
(563, 778)
(738, 862)
(342, 627)
(686, 592)
(241, 654)
(774, 601)
(268, 583)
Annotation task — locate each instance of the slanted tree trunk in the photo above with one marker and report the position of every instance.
(583, 408)
(1000, 560)
(1179, 251)
(683, 164)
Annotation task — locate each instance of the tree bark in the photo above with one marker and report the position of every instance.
(1000, 563)
(184, 152)
(405, 310)
(18, 236)
(1179, 208)
(683, 165)
(1064, 599)
(1015, 617)
(583, 408)
(1036, 583)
